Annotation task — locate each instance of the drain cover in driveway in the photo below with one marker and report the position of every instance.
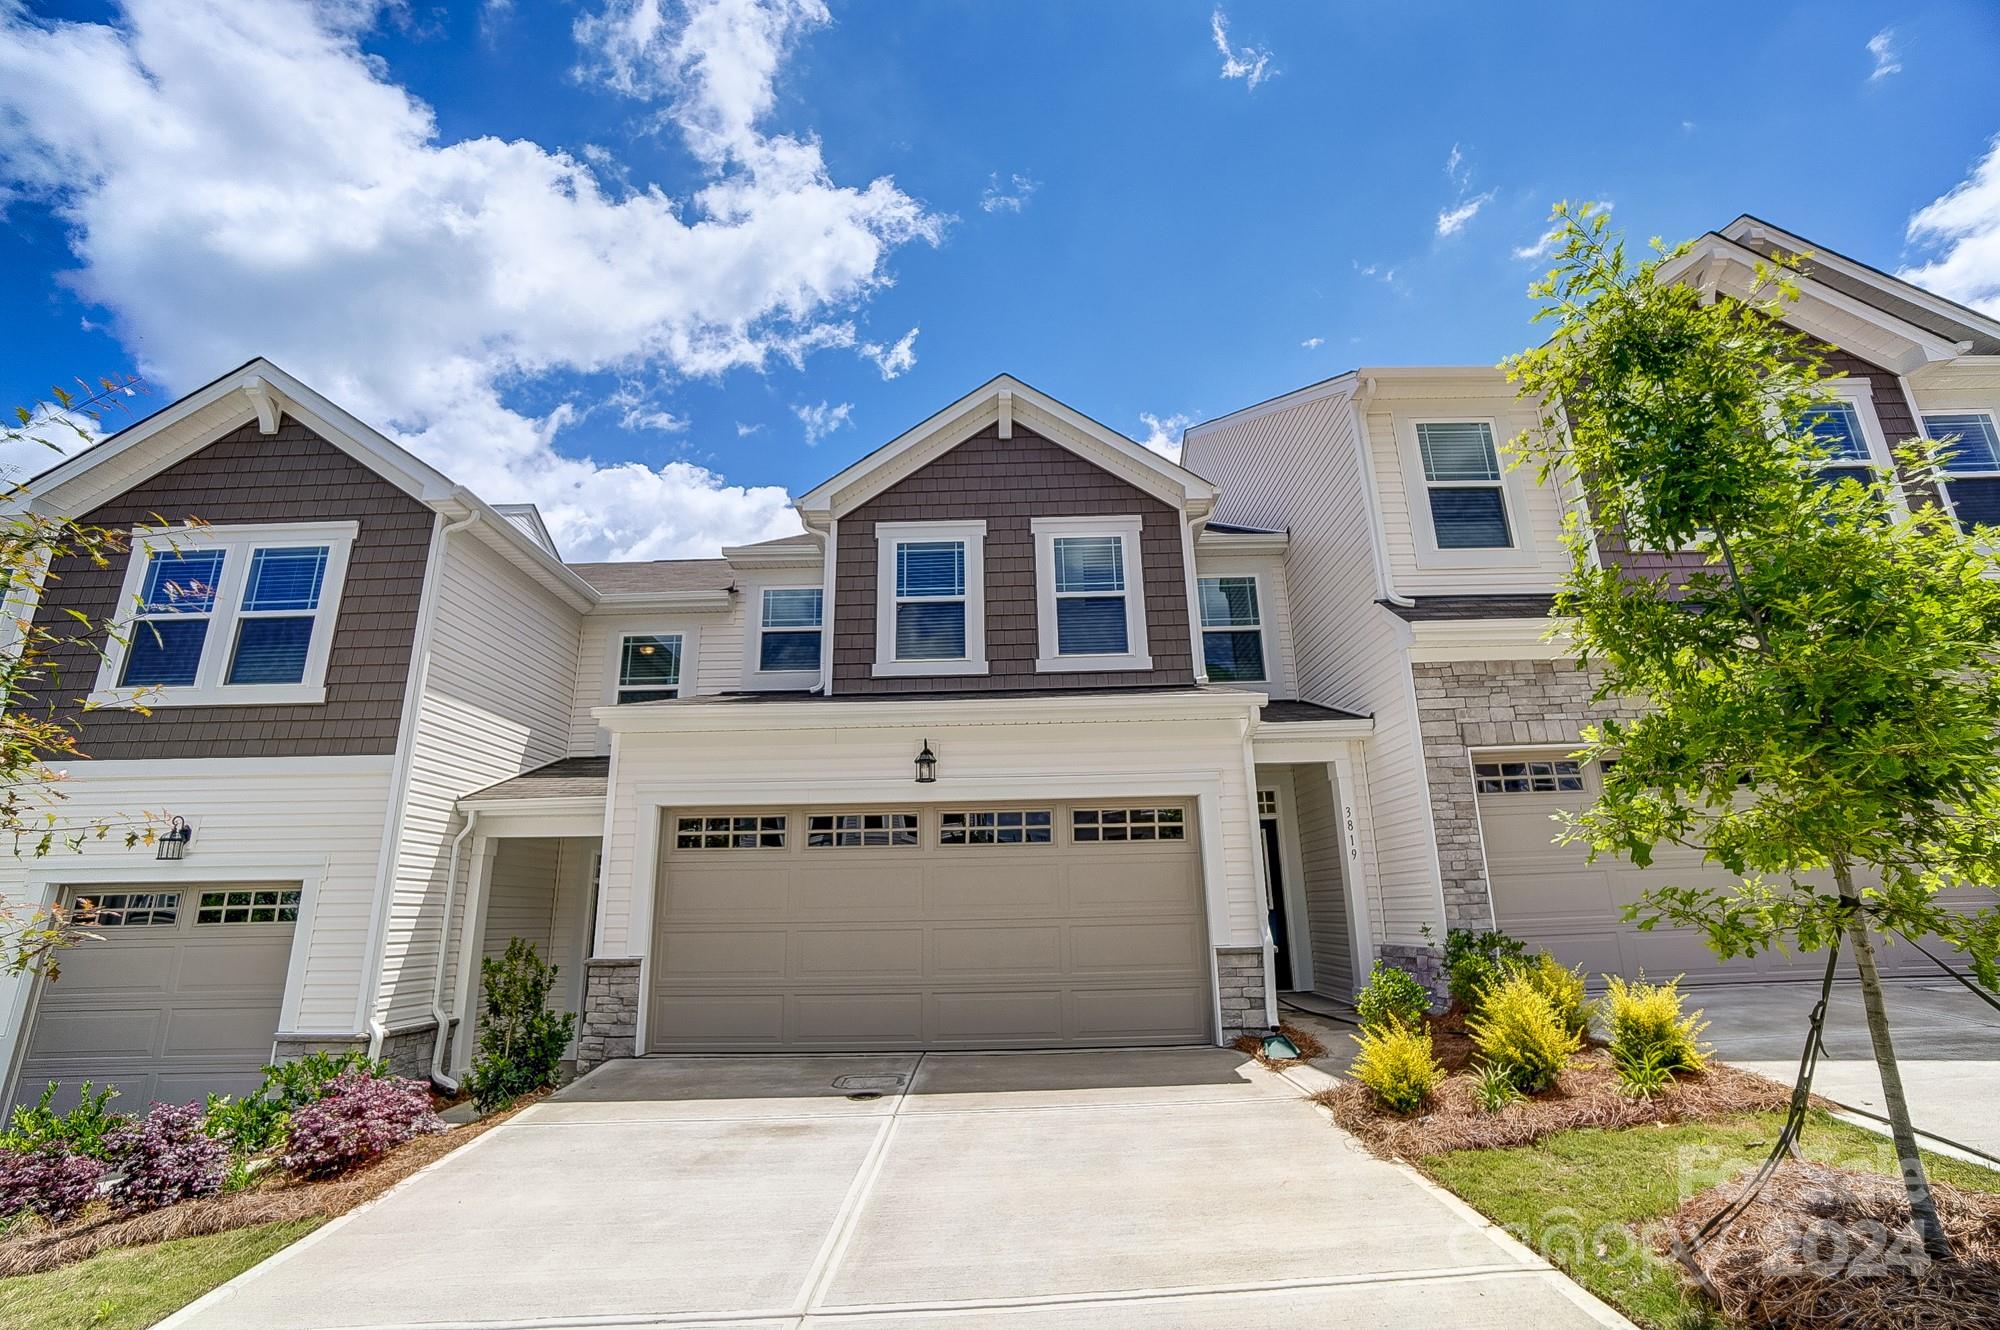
(868, 1084)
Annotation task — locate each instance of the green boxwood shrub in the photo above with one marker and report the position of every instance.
(1398, 1067)
(85, 1130)
(521, 1041)
(1392, 996)
(1518, 1032)
(1474, 962)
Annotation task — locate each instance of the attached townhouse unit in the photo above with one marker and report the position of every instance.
(1033, 738)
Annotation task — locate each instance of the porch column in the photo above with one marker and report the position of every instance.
(1355, 830)
(471, 945)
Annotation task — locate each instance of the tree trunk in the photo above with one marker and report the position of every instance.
(1923, 1207)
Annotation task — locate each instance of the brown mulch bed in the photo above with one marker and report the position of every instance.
(31, 1247)
(1308, 1044)
(1824, 1248)
(1586, 1095)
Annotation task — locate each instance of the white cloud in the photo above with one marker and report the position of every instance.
(1386, 276)
(247, 160)
(1251, 63)
(1965, 225)
(1542, 248)
(744, 431)
(1313, 343)
(823, 419)
(996, 198)
(1452, 162)
(1452, 220)
(1887, 61)
(1163, 433)
(894, 360)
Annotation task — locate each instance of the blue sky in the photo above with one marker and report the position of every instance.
(652, 265)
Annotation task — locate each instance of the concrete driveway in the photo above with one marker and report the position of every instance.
(1174, 1187)
(1947, 1044)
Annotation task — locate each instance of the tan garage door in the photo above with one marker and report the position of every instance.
(178, 996)
(1546, 895)
(1023, 925)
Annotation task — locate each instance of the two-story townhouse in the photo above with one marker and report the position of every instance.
(1003, 751)
(1422, 567)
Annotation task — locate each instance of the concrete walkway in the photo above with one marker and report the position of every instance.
(1061, 1191)
(1947, 1044)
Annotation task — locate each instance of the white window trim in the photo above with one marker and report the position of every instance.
(888, 535)
(753, 670)
(208, 689)
(1992, 414)
(614, 658)
(1417, 500)
(1262, 629)
(1048, 658)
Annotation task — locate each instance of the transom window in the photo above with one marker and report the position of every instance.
(997, 826)
(1527, 777)
(851, 830)
(1089, 825)
(1232, 630)
(1836, 426)
(255, 906)
(789, 636)
(1462, 474)
(930, 600)
(222, 615)
(1267, 803)
(730, 831)
(649, 667)
(1971, 458)
(1090, 596)
(128, 909)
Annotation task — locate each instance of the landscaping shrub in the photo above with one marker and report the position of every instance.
(1519, 1032)
(521, 1041)
(249, 1125)
(1474, 962)
(84, 1130)
(49, 1182)
(361, 1116)
(166, 1158)
(1392, 996)
(256, 1122)
(1397, 1066)
(1562, 986)
(1493, 1088)
(1643, 1077)
(1648, 1029)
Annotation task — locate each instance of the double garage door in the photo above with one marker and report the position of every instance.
(1548, 896)
(1024, 925)
(177, 994)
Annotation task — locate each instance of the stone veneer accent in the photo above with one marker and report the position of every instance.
(1426, 963)
(408, 1051)
(1239, 975)
(610, 1022)
(1464, 704)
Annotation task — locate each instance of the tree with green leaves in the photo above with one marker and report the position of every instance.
(1820, 696)
(34, 738)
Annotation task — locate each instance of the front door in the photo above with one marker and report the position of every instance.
(1281, 955)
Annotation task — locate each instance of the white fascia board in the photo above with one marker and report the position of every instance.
(718, 717)
(504, 537)
(1029, 406)
(648, 602)
(1747, 227)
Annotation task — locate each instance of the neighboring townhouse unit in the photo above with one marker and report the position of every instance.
(1421, 569)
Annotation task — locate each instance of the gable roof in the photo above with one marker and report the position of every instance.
(260, 391)
(1004, 400)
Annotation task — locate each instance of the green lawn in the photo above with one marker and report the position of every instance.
(1571, 1196)
(138, 1286)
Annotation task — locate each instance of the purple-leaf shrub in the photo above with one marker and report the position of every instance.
(167, 1157)
(359, 1117)
(54, 1184)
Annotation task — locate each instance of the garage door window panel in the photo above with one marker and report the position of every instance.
(1004, 826)
(731, 831)
(1102, 825)
(1527, 776)
(840, 831)
(129, 909)
(247, 907)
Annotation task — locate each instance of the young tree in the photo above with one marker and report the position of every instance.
(33, 739)
(1821, 698)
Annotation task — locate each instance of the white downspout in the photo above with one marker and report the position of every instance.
(1377, 532)
(438, 1014)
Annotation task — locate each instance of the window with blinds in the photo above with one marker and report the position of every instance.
(1090, 596)
(1232, 630)
(1468, 501)
(930, 600)
(1836, 427)
(1969, 448)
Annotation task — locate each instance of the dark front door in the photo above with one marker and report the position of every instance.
(1282, 954)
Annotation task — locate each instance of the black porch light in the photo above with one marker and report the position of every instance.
(173, 841)
(926, 765)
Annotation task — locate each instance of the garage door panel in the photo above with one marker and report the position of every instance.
(987, 1017)
(1146, 883)
(857, 1020)
(194, 1084)
(1136, 1015)
(719, 1020)
(975, 886)
(997, 949)
(723, 953)
(229, 967)
(839, 890)
(111, 1032)
(200, 1029)
(110, 964)
(1123, 948)
(858, 953)
(135, 1082)
(730, 893)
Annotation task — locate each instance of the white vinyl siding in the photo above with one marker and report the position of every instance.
(712, 661)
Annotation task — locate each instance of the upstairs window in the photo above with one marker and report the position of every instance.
(1090, 594)
(789, 636)
(1468, 501)
(1232, 630)
(1970, 452)
(649, 667)
(1837, 428)
(930, 616)
(227, 615)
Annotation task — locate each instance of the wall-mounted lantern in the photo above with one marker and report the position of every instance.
(926, 765)
(173, 841)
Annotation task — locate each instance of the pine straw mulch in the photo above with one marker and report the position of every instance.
(1309, 1046)
(1828, 1249)
(1585, 1095)
(30, 1247)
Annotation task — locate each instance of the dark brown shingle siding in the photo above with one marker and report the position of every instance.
(1008, 483)
(245, 477)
